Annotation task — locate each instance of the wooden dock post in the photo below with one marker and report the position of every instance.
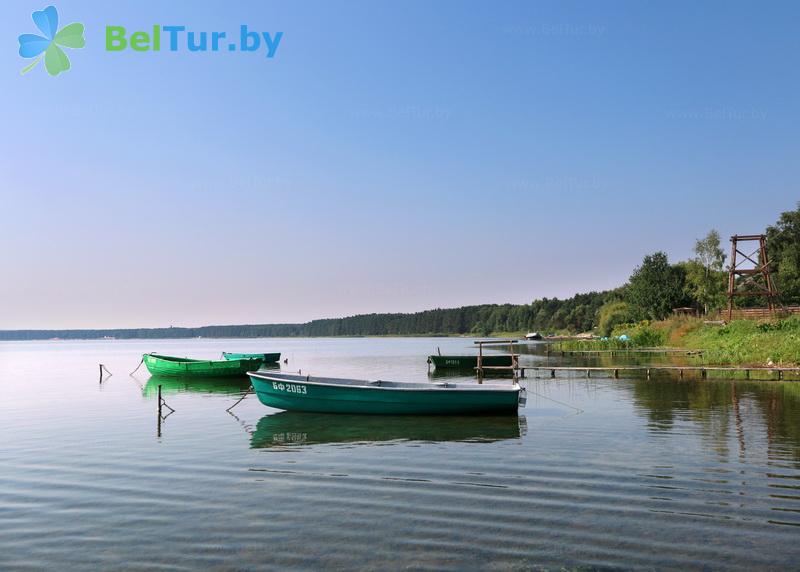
(158, 429)
(514, 367)
(616, 374)
(102, 370)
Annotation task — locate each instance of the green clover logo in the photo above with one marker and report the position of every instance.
(33, 46)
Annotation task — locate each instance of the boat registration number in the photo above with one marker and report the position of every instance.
(289, 387)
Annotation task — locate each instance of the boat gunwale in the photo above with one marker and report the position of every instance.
(254, 355)
(216, 362)
(367, 384)
(469, 356)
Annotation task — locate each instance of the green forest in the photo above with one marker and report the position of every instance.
(651, 292)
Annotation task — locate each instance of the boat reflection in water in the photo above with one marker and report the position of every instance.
(229, 385)
(293, 428)
(469, 374)
(172, 385)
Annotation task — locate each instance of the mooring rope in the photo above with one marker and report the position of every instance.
(578, 409)
(249, 389)
(137, 367)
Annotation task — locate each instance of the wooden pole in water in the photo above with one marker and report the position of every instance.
(158, 431)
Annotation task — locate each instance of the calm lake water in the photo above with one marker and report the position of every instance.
(593, 474)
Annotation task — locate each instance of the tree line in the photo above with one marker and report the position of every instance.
(573, 314)
(652, 291)
(656, 287)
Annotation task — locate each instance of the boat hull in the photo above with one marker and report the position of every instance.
(176, 367)
(267, 358)
(469, 362)
(298, 393)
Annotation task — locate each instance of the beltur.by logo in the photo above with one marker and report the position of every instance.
(49, 46)
(177, 38)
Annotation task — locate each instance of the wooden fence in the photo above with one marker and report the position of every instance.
(760, 313)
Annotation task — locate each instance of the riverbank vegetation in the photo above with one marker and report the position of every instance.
(652, 292)
(740, 342)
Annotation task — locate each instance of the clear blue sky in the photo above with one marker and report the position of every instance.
(392, 156)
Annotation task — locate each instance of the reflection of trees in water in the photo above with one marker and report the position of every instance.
(723, 408)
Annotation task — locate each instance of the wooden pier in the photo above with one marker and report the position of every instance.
(622, 352)
(513, 369)
(775, 373)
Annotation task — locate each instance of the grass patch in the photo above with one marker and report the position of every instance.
(745, 342)
(741, 342)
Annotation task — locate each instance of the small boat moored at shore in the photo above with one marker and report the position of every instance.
(294, 392)
(266, 357)
(158, 364)
(469, 362)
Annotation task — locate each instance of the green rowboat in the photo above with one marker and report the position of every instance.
(268, 358)
(468, 362)
(184, 367)
(333, 395)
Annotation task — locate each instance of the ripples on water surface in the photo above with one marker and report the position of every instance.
(657, 474)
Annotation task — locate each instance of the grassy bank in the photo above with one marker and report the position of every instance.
(741, 342)
(747, 342)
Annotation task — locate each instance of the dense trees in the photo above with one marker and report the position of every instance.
(655, 288)
(612, 314)
(783, 249)
(548, 314)
(705, 275)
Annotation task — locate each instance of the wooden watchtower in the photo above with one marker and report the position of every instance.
(754, 269)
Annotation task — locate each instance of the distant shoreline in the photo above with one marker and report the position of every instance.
(478, 321)
(341, 336)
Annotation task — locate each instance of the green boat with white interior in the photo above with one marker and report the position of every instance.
(171, 366)
(469, 361)
(295, 392)
(266, 357)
